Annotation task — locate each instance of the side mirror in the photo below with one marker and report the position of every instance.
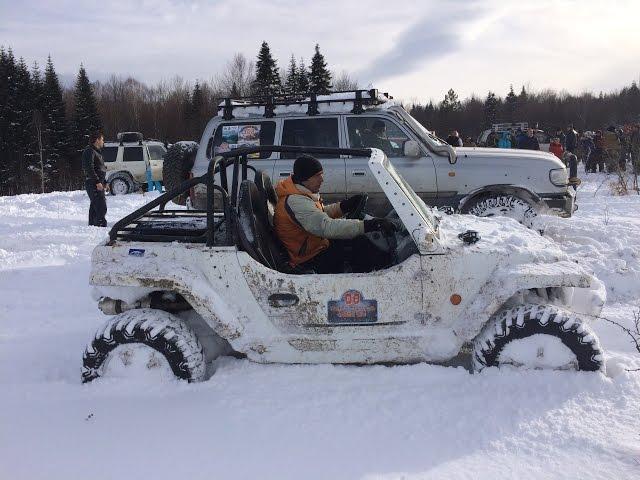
(412, 149)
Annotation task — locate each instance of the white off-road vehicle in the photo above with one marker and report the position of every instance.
(186, 286)
(128, 159)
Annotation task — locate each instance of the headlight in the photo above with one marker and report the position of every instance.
(559, 177)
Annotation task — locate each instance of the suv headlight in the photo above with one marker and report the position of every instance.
(559, 177)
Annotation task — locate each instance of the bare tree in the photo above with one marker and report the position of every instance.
(343, 81)
(239, 72)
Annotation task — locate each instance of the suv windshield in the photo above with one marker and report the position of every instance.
(418, 128)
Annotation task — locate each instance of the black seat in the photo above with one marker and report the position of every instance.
(255, 233)
(268, 193)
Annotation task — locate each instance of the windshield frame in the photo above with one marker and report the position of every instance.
(417, 128)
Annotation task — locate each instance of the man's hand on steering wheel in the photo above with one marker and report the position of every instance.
(383, 225)
(350, 204)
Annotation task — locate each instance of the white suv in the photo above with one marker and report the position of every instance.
(127, 159)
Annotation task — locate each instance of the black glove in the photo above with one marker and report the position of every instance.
(380, 225)
(347, 206)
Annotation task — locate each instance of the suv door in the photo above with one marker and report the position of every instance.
(314, 132)
(156, 158)
(379, 132)
(134, 162)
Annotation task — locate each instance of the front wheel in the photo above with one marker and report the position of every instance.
(537, 337)
(504, 205)
(144, 339)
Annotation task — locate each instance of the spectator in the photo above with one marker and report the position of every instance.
(470, 142)
(95, 179)
(454, 139)
(611, 148)
(597, 155)
(520, 135)
(492, 139)
(529, 142)
(634, 147)
(586, 147)
(561, 136)
(571, 140)
(505, 140)
(556, 148)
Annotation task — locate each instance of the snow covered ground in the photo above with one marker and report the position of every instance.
(254, 421)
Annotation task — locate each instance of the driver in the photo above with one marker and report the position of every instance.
(313, 234)
(376, 137)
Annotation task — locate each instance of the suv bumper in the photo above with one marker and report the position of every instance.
(563, 204)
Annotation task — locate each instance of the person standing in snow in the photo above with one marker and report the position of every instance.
(505, 140)
(530, 142)
(555, 147)
(571, 140)
(95, 179)
(454, 139)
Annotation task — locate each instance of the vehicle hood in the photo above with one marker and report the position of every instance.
(506, 154)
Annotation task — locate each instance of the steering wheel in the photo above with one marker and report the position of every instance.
(358, 212)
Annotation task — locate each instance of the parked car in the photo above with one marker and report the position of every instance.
(516, 183)
(127, 160)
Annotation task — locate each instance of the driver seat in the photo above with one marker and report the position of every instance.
(255, 232)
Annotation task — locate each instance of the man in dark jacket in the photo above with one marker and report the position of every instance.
(454, 139)
(95, 179)
(571, 140)
(530, 142)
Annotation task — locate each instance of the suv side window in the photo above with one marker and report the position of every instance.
(109, 154)
(156, 152)
(376, 132)
(132, 154)
(312, 132)
(229, 136)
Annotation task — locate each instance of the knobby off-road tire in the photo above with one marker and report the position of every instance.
(528, 320)
(120, 184)
(505, 205)
(177, 164)
(162, 331)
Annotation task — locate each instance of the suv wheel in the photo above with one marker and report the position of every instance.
(538, 337)
(505, 205)
(120, 185)
(144, 339)
(177, 164)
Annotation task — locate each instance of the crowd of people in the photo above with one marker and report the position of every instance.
(607, 150)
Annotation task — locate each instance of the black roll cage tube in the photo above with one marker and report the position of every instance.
(238, 158)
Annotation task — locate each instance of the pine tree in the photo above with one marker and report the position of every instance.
(8, 119)
(451, 103)
(195, 111)
(511, 105)
(23, 112)
(291, 83)
(319, 75)
(267, 81)
(86, 118)
(490, 109)
(35, 162)
(302, 85)
(57, 168)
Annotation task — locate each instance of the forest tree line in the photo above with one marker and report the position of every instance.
(44, 125)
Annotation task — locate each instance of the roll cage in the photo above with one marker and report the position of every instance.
(153, 222)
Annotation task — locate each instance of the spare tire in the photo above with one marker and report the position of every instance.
(177, 165)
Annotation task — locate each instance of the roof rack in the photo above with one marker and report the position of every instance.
(359, 98)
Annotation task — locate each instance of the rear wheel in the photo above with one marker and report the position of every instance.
(504, 205)
(140, 340)
(537, 337)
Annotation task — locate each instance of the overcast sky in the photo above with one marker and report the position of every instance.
(413, 49)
